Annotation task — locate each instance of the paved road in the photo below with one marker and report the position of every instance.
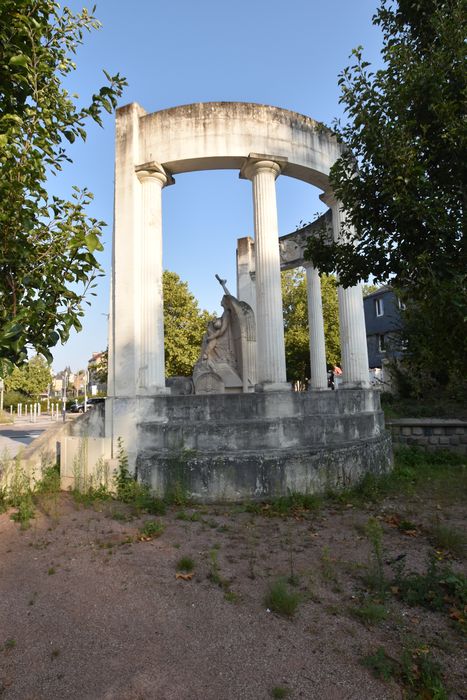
(14, 437)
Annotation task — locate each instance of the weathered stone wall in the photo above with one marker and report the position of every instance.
(430, 433)
(257, 446)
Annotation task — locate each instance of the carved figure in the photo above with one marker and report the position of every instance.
(228, 349)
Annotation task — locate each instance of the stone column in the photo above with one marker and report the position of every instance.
(270, 345)
(354, 350)
(150, 368)
(318, 374)
(245, 272)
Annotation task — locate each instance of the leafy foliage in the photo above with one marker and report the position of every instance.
(184, 326)
(48, 244)
(402, 178)
(294, 299)
(31, 379)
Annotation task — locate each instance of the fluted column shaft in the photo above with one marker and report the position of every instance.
(318, 374)
(271, 369)
(151, 371)
(354, 350)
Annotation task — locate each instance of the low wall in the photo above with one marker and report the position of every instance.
(429, 433)
(48, 447)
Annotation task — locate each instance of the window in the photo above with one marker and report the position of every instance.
(381, 344)
(379, 308)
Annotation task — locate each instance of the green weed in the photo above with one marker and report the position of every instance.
(214, 570)
(417, 671)
(370, 612)
(279, 692)
(443, 472)
(327, 566)
(185, 564)
(449, 538)
(132, 492)
(151, 529)
(25, 511)
(382, 665)
(231, 597)
(438, 588)
(50, 480)
(177, 494)
(281, 600)
(374, 577)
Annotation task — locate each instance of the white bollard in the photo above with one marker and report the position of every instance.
(39, 410)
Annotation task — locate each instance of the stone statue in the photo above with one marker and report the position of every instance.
(227, 360)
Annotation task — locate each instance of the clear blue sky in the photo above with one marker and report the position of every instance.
(286, 54)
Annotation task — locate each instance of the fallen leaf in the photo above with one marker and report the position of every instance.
(456, 615)
(184, 577)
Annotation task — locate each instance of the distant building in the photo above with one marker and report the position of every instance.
(97, 367)
(383, 326)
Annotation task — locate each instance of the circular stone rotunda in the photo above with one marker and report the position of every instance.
(266, 440)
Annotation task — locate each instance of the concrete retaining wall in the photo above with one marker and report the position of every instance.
(430, 433)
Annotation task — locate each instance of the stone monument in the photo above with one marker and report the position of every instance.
(227, 362)
(243, 433)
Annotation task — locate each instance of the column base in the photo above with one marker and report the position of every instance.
(354, 385)
(153, 391)
(319, 388)
(273, 386)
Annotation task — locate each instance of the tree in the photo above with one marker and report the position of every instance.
(402, 179)
(184, 326)
(101, 369)
(296, 333)
(47, 243)
(31, 379)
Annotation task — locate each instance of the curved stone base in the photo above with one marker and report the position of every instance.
(252, 446)
(253, 476)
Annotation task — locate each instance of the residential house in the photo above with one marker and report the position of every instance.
(383, 326)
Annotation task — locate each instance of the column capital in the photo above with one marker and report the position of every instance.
(154, 170)
(257, 162)
(329, 198)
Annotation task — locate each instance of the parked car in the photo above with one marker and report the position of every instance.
(76, 407)
(91, 403)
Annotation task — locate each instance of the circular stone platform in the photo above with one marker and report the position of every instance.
(257, 446)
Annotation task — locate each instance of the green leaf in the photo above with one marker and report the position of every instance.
(19, 60)
(92, 242)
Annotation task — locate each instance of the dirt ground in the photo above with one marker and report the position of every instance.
(90, 609)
